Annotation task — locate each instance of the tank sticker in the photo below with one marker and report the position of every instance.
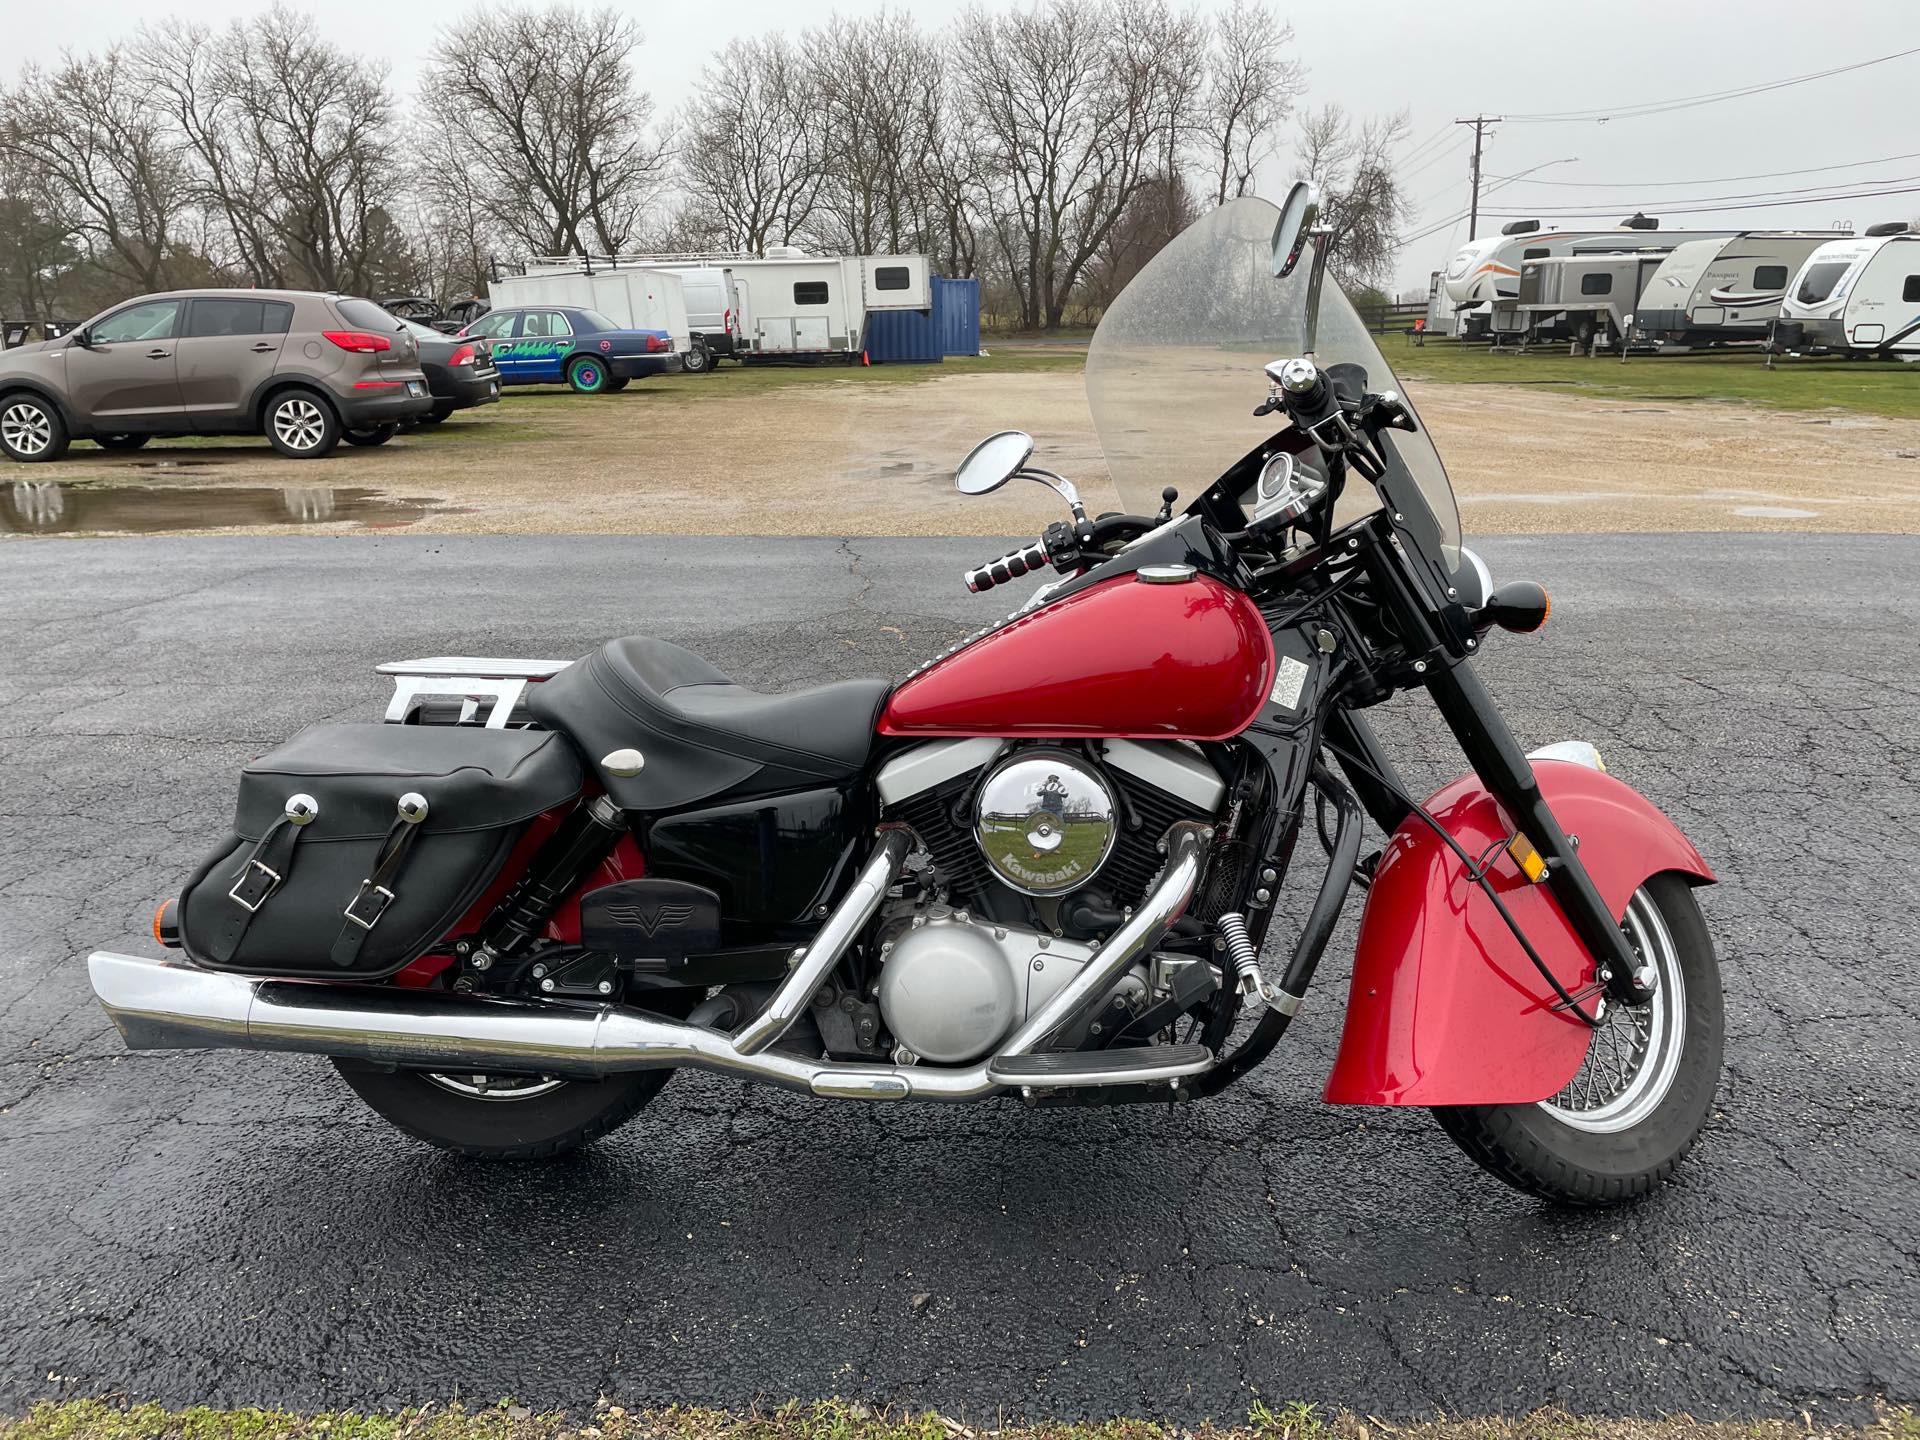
(1292, 674)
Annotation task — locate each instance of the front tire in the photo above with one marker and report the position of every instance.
(121, 442)
(1627, 1118)
(31, 430)
(377, 435)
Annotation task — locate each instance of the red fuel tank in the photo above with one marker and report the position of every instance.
(1126, 659)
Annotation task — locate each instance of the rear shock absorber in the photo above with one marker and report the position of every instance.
(583, 840)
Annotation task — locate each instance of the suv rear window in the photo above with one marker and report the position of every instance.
(1817, 284)
(365, 314)
(238, 317)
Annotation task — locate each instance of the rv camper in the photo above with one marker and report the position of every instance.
(1585, 297)
(1859, 297)
(1483, 279)
(1716, 292)
(642, 299)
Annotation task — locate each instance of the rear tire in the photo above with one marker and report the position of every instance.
(301, 425)
(587, 375)
(1625, 1121)
(378, 435)
(698, 360)
(618, 383)
(31, 430)
(548, 1118)
(436, 416)
(121, 442)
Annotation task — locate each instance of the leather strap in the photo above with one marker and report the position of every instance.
(376, 892)
(265, 870)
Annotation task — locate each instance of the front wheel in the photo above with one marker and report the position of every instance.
(121, 442)
(1641, 1096)
(31, 430)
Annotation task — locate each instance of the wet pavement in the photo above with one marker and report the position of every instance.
(52, 508)
(238, 1229)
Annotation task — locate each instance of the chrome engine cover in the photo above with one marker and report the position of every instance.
(1046, 821)
(951, 988)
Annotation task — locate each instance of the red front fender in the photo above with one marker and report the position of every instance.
(1446, 1008)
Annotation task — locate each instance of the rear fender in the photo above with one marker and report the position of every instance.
(1446, 1008)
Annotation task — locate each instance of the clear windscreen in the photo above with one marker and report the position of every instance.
(1176, 368)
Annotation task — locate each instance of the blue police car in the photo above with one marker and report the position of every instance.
(563, 344)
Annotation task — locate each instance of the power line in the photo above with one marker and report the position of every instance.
(1706, 201)
(1479, 124)
(1687, 102)
(1686, 209)
(1714, 179)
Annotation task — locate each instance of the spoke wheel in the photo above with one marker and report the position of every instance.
(1635, 1053)
(299, 424)
(29, 430)
(502, 1088)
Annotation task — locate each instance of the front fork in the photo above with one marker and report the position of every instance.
(1503, 766)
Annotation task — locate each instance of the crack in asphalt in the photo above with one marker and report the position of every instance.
(211, 1226)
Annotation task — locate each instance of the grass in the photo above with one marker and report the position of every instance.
(1868, 387)
(838, 1420)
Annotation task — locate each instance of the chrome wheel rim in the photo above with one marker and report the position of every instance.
(500, 1089)
(27, 429)
(299, 424)
(1633, 1057)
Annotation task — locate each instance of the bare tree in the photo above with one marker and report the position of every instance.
(550, 123)
(1074, 107)
(751, 147)
(1361, 202)
(1251, 87)
(91, 137)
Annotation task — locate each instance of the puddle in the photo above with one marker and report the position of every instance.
(49, 509)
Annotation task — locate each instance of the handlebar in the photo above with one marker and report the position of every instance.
(1010, 566)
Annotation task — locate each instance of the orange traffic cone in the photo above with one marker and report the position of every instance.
(863, 358)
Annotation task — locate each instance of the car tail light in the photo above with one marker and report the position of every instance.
(360, 342)
(465, 355)
(657, 343)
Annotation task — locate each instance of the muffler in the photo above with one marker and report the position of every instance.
(160, 1005)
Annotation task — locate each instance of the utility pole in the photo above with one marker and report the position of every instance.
(1479, 124)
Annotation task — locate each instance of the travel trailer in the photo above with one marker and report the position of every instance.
(1484, 276)
(640, 299)
(795, 305)
(1716, 292)
(1587, 298)
(1858, 297)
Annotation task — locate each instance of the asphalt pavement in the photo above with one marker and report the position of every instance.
(231, 1228)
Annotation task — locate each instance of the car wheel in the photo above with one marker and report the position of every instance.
(121, 442)
(697, 361)
(378, 435)
(436, 415)
(31, 430)
(300, 425)
(587, 376)
(618, 383)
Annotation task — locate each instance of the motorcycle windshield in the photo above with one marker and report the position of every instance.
(1175, 369)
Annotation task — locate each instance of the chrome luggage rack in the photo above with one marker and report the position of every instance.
(500, 684)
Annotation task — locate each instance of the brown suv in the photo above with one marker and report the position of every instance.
(303, 369)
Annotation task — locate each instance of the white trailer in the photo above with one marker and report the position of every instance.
(794, 305)
(1859, 297)
(639, 298)
(1715, 292)
(1587, 298)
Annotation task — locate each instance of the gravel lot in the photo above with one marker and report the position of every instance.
(871, 452)
(236, 1229)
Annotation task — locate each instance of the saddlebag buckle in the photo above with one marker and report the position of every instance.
(255, 890)
(366, 907)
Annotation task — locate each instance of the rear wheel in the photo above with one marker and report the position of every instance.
(31, 430)
(698, 359)
(437, 415)
(587, 376)
(121, 442)
(510, 1117)
(300, 425)
(1641, 1096)
(375, 435)
(618, 383)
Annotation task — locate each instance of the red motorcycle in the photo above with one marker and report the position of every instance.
(1043, 866)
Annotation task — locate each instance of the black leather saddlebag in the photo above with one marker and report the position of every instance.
(355, 847)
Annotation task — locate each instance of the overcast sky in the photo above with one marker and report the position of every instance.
(1439, 60)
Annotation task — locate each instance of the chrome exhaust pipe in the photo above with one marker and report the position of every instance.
(160, 1005)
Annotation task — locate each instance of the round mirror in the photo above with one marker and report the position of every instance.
(1291, 230)
(993, 462)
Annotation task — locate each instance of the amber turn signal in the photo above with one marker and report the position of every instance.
(1527, 858)
(166, 924)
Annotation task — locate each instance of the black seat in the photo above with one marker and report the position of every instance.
(701, 735)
